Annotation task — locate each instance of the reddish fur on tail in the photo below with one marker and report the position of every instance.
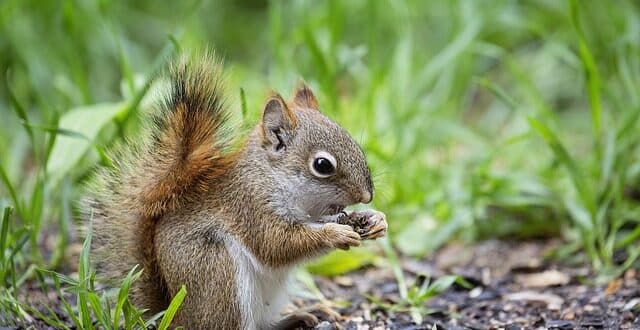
(186, 148)
(182, 150)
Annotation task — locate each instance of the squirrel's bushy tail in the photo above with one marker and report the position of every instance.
(186, 143)
(180, 151)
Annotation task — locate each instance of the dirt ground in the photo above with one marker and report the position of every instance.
(513, 286)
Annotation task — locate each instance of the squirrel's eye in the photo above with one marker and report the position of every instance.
(323, 165)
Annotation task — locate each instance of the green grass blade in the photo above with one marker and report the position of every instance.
(157, 66)
(12, 191)
(4, 232)
(591, 70)
(57, 131)
(437, 287)
(123, 294)
(125, 66)
(51, 138)
(84, 273)
(59, 277)
(530, 91)
(498, 92)
(630, 121)
(563, 156)
(18, 239)
(304, 277)
(173, 309)
(395, 266)
(340, 262)
(65, 304)
(243, 103)
(53, 321)
(64, 224)
(20, 111)
(447, 56)
(98, 310)
(35, 217)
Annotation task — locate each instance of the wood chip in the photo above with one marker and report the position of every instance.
(552, 301)
(343, 281)
(613, 287)
(543, 279)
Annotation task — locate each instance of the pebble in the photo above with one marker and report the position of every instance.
(559, 324)
(324, 325)
(631, 304)
(513, 327)
(345, 281)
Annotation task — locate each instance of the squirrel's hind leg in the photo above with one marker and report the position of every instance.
(204, 265)
(308, 317)
(296, 320)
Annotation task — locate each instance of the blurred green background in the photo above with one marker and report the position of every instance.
(493, 118)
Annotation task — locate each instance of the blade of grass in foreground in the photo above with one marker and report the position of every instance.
(173, 309)
(123, 294)
(4, 232)
(395, 266)
(84, 272)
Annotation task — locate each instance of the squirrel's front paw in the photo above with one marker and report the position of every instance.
(370, 224)
(341, 236)
(376, 225)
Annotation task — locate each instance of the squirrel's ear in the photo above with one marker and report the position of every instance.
(278, 123)
(304, 97)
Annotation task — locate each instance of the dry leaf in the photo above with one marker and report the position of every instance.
(613, 287)
(543, 279)
(552, 301)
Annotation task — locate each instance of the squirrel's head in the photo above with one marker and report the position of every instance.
(315, 162)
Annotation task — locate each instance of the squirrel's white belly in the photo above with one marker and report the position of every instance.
(261, 289)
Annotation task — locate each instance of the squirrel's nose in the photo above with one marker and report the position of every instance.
(367, 196)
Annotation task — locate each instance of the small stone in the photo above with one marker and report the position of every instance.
(324, 325)
(559, 324)
(633, 303)
(543, 279)
(592, 321)
(569, 315)
(552, 301)
(357, 319)
(475, 292)
(345, 281)
(630, 274)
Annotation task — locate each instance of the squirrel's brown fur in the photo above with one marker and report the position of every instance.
(228, 225)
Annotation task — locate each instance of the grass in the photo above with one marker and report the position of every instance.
(479, 119)
(413, 297)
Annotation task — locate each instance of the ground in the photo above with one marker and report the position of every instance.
(513, 286)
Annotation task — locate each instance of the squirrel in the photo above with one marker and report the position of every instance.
(228, 224)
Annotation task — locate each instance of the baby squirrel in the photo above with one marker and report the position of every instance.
(230, 225)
